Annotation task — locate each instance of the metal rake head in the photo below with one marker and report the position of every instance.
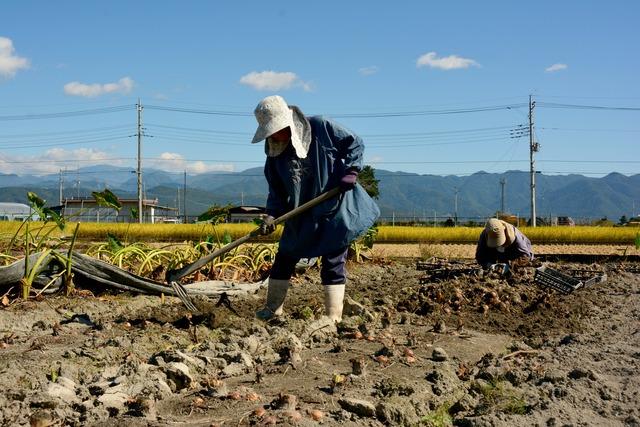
(181, 293)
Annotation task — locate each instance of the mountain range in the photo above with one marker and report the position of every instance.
(402, 195)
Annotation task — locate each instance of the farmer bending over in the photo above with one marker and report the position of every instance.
(307, 156)
(501, 242)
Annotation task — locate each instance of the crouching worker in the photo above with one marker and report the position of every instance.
(307, 156)
(502, 246)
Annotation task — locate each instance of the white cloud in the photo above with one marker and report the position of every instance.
(173, 161)
(10, 63)
(451, 62)
(124, 86)
(556, 67)
(367, 71)
(273, 80)
(52, 160)
(77, 154)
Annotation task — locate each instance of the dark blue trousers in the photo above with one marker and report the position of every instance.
(332, 271)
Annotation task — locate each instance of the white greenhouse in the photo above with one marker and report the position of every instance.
(15, 211)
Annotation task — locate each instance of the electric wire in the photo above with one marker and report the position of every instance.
(586, 129)
(240, 175)
(78, 137)
(65, 114)
(350, 115)
(431, 144)
(585, 107)
(66, 132)
(261, 161)
(224, 132)
(437, 133)
(57, 144)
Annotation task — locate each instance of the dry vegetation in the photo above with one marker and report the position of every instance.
(385, 234)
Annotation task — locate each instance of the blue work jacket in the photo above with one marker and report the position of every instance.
(334, 223)
(521, 247)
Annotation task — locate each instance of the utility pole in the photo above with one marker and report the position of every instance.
(184, 197)
(533, 148)
(78, 181)
(503, 181)
(178, 202)
(61, 183)
(455, 222)
(139, 170)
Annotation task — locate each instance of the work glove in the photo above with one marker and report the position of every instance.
(502, 269)
(348, 181)
(267, 227)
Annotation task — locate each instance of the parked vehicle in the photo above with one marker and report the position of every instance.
(565, 221)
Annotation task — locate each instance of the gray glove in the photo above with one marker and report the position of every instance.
(267, 227)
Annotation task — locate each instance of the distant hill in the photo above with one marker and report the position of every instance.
(402, 195)
(479, 194)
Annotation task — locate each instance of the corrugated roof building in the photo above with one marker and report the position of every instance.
(10, 211)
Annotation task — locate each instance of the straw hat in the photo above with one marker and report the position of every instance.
(499, 232)
(273, 114)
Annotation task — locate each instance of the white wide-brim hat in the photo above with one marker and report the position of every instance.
(498, 232)
(273, 114)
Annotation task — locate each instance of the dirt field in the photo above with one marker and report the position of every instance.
(417, 347)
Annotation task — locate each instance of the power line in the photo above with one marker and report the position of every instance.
(105, 159)
(367, 136)
(589, 129)
(430, 112)
(199, 130)
(162, 159)
(590, 161)
(430, 144)
(410, 113)
(56, 144)
(424, 141)
(350, 115)
(80, 172)
(199, 111)
(73, 172)
(462, 135)
(585, 107)
(587, 97)
(195, 141)
(438, 136)
(68, 113)
(436, 133)
(254, 175)
(67, 132)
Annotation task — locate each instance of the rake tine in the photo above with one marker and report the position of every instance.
(181, 293)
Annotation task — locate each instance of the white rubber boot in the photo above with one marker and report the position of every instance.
(334, 301)
(276, 293)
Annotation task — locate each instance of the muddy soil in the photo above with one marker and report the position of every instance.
(436, 346)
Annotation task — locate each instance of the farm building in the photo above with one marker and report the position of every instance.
(15, 211)
(563, 221)
(245, 213)
(87, 210)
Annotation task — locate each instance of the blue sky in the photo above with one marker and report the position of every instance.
(337, 58)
